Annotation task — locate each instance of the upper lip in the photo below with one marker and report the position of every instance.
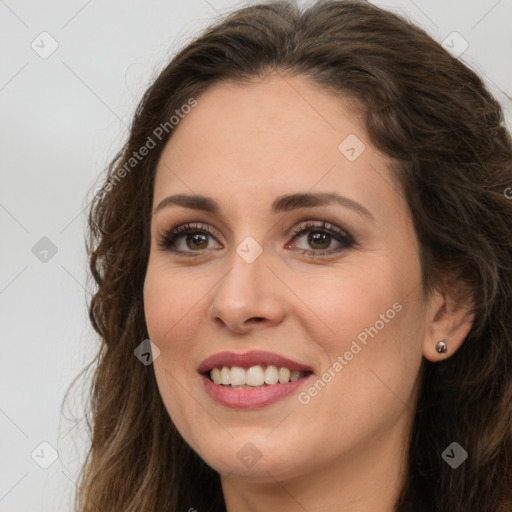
(248, 359)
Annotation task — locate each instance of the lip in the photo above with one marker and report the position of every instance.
(251, 398)
(248, 359)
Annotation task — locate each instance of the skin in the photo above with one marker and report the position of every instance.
(245, 145)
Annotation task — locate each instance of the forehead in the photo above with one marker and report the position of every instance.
(279, 134)
(277, 112)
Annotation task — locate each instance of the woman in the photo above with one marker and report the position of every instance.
(309, 222)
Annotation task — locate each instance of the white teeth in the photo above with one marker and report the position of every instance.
(216, 376)
(284, 375)
(237, 376)
(271, 374)
(294, 375)
(254, 376)
(225, 376)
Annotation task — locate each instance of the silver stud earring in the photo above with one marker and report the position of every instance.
(442, 347)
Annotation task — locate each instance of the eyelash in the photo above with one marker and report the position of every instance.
(170, 237)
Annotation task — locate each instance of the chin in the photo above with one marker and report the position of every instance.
(252, 456)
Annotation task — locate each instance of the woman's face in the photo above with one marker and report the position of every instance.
(343, 299)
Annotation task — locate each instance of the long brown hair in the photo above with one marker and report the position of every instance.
(452, 161)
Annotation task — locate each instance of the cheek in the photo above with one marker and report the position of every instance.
(372, 341)
(352, 302)
(168, 300)
(175, 304)
(169, 304)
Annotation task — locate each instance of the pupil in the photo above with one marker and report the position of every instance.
(196, 237)
(317, 238)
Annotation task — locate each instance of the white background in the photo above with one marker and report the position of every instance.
(63, 119)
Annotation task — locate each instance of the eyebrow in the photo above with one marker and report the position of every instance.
(284, 203)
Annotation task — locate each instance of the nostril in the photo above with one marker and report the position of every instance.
(256, 319)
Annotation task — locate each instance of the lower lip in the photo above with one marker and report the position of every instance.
(250, 398)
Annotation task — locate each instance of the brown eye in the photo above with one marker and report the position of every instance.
(317, 239)
(320, 238)
(195, 239)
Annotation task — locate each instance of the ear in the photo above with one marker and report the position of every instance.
(449, 319)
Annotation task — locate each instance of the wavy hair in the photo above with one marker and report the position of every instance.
(452, 160)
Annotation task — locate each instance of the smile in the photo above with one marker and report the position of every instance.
(250, 397)
(251, 380)
(255, 376)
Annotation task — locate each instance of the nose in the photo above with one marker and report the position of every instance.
(248, 296)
